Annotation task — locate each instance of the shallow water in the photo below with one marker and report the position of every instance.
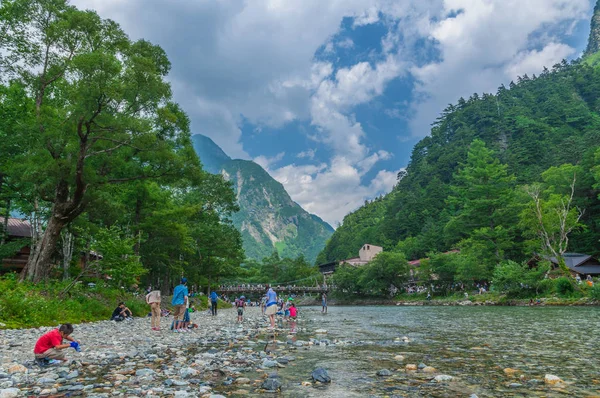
(472, 344)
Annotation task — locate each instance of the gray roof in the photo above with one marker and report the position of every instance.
(19, 228)
(576, 261)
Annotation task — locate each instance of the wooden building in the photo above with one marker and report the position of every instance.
(17, 229)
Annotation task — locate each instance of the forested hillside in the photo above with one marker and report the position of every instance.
(469, 183)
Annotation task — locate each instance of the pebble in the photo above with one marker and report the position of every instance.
(552, 380)
(442, 378)
(384, 372)
(9, 393)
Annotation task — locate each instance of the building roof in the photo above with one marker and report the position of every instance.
(19, 228)
(578, 262)
(572, 259)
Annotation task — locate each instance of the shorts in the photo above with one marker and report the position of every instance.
(178, 312)
(287, 312)
(271, 310)
(240, 311)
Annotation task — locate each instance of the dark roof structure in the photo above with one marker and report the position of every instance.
(579, 263)
(19, 228)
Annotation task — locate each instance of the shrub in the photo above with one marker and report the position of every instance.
(564, 286)
(595, 292)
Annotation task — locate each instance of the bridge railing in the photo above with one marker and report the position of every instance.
(301, 289)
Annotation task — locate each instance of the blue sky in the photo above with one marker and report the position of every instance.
(330, 96)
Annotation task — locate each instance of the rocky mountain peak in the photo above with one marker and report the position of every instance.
(594, 39)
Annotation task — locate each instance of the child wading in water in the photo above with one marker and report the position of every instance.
(240, 304)
(293, 311)
(49, 348)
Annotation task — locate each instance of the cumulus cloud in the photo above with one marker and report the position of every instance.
(309, 154)
(254, 62)
(266, 162)
(314, 185)
(485, 43)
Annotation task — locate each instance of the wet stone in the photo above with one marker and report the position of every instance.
(320, 375)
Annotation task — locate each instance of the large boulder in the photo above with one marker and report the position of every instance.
(272, 383)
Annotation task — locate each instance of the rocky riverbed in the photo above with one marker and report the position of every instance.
(356, 357)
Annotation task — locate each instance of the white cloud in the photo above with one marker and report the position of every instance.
(266, 162)
(530, 62)
(487, 44)
(314, 186)
(346, 43)
(309, 154)
(254, 61)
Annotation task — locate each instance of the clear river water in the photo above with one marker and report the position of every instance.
(473, 344)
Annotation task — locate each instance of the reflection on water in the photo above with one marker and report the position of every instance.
(472, 344)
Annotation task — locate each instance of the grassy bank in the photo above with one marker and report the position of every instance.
(25, 305)
(44, 304)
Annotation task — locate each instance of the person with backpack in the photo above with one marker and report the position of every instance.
(214, 298)
(240, 305)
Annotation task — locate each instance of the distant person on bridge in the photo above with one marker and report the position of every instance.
(271, 306)
(214, 298)
(324, 303)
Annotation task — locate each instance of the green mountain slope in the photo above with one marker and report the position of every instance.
(534, 124)
(268, 218)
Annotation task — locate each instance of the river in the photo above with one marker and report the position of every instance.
(473, 344)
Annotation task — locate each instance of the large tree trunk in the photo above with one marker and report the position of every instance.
(40, 260)
(67, 248)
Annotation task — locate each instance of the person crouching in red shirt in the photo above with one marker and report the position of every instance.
(50, 345)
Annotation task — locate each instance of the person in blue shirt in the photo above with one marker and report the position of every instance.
(213, 303)
(180, 294)
(271, 309)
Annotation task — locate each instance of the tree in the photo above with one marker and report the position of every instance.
(103, 112)
(516, 279)
(347, 279)
(483, 198)
(551, 216)
(386, 270)
(118, 259)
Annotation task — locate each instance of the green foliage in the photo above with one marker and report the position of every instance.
(386, 270)
(118, 259)
(24, 305)
(278, 271)
(518, 280)
(564, 286)
(551, 215)
(348, 280)
(98, 111)
(461, 187)
(595, 292)
(358, 228)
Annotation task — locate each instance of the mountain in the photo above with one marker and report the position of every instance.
(594, 39)
(537, 123)
(268, 218)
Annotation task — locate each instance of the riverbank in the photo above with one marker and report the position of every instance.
(489, 299)
(367, 351)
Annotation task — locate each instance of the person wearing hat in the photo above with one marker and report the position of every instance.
(180, 294)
